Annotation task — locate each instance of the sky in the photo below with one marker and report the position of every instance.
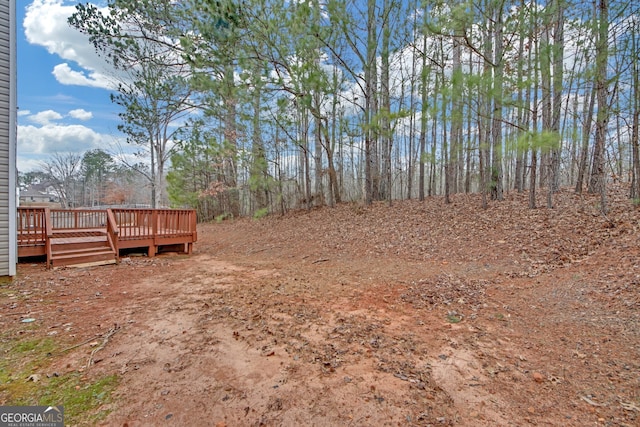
(63, 87)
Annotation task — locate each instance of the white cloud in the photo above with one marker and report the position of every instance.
(66, 76)
(45, 118)
(45, 140)
(38, 143)
(45, 24)
(24, 113)
(81, 114)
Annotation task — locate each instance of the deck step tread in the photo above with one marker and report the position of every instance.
(63, 233)
(58, 256)
(81, 251)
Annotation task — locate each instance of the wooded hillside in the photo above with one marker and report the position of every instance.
(262, 106)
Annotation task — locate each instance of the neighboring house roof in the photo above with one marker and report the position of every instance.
(33, 193)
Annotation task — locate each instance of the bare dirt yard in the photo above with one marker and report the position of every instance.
(412, 315)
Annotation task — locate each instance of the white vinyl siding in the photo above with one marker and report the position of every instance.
(7, 140)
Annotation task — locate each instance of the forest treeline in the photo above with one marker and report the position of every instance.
(256, 106)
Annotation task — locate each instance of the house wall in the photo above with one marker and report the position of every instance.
(8, 240)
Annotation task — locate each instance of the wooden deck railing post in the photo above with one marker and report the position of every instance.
(154, 232)
(48, 226)
(113, 233)
(194, 233)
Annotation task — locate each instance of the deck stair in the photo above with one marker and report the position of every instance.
(81, 247)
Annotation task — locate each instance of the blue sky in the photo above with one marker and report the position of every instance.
(63, 87)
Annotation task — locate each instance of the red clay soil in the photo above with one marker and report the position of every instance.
(416, 314)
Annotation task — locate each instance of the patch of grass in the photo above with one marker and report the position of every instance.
(35, 345)
(83, 401)
(22, 358)
(222, 217)
(261, 213)
(23, 382)
(454, 318)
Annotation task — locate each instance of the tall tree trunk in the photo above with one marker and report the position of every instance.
(258, 173)
(317, 152)
(385, 106)
(545, 82)
(520, 148)
(534, 131)
(433, 159)
(411, 150)
(305, 172)
(484, 119)
(154, 179)
(470, 135)
(496, 131)
(230, 130)
(558, 67)
(331, 144)
(635, 126)
(597, 183)
(457, 83)
(586, 134)
(446, 159)
(370, 166)
(423, 118)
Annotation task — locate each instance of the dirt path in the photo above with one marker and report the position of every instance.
(364, 317)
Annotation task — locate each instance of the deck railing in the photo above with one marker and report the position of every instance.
(153, 228)
(77, 219)
(31, 226)
(134, 223)
(112, 232)
(142, 223)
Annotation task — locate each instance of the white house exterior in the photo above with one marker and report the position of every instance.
(8, 129)
(33, 195)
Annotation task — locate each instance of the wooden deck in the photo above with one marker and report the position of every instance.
(78, 236)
